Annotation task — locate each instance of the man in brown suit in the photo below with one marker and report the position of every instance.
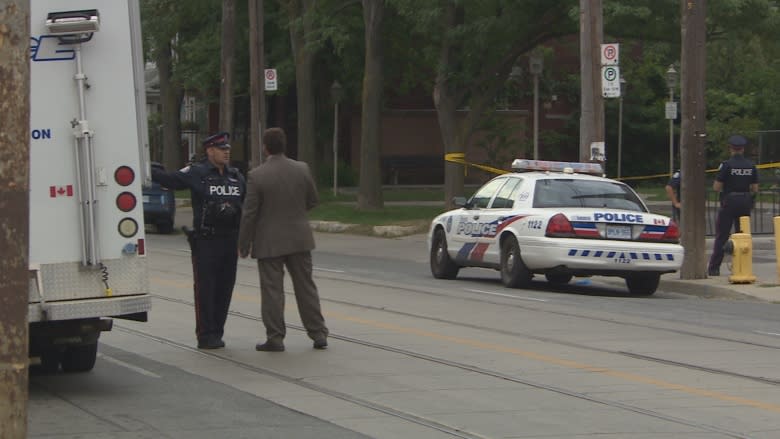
(275, 229)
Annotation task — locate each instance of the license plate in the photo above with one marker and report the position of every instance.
(145, 198)
(618, 232)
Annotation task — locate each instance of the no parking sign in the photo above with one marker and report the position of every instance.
(610, 54)
(270, 79)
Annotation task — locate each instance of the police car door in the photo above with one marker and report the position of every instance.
(475, 223)
(498, 215)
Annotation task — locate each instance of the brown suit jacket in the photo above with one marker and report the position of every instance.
(275, 222)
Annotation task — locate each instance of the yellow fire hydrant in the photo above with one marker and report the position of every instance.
(740, 246)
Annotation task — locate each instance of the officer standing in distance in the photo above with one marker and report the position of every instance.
(673, 192)
(217, 192)
(737, 182)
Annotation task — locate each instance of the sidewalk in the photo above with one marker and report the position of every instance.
(765, 268)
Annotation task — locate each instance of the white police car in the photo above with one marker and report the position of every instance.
(559, 219)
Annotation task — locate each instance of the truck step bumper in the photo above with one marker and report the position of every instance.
(88, 308)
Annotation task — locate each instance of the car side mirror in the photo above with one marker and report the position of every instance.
(460, 202)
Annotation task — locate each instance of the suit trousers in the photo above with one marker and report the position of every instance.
(271, 270)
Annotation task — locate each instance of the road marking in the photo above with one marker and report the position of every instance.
(505, 295)
(328, 270)
(767, 333)
(137, 369)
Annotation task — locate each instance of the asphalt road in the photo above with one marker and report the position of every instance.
(415, 357)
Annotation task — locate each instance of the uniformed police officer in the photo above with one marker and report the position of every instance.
(217, 192)
(673, 192)
(737, 182)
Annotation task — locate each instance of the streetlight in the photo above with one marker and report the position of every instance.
(336, 93)
(620, 125)
(536, 63)
(671, 112)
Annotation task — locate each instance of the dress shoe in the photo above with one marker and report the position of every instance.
(713, 272)
(321, 343)
(210, 343)
(269, 347)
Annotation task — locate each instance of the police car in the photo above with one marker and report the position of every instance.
(559, 219)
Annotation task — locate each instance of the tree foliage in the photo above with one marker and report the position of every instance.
(471, 57)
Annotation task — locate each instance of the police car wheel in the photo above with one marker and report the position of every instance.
(442, 266)
(514, 273)
(643, 284)
(558, 278)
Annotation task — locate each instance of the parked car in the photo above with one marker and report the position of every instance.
(159, 206)
(553, 219)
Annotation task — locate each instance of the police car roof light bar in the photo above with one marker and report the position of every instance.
(523, 165)
(84, 21)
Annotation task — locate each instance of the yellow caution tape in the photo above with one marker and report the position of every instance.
(459, 157)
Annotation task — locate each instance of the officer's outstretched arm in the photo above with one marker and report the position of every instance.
(181, 179)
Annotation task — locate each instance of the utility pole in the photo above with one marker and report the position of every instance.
(692, 138)
(227, 71)
(14, 214)
(256, 80)
(591, 102)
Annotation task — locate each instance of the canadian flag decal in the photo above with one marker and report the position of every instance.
(61, 191)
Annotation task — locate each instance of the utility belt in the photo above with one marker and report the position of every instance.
(214, 233)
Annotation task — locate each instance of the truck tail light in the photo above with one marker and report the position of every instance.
(126, 201)
(124, 175)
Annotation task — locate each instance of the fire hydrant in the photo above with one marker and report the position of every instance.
(740, 247)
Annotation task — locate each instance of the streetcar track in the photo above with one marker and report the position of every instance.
(452, 431)
(420, 356)
(528, 307)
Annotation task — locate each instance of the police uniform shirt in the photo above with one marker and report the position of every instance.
(209, 190)
(737, 174)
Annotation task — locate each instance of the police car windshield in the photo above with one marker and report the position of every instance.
(562, 192)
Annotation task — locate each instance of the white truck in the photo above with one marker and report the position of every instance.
(88, 162)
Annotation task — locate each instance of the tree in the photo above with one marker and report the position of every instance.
(227, 65)
(301, 16)
(478, 43)
(159, 34)
(370, 192)
(256, 79)
(14, 220)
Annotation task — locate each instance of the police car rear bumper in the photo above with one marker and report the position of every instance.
(600, 256)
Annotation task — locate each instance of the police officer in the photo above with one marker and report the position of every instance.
(673, 192)
(217, 192)
(737, 182)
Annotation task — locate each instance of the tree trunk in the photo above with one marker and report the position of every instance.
(14, 214)
(227, 62)
(370, 191)
(446, 102)
(592, 102)
(693, 134)
(256, 80)
(304, 65)
(170, 100)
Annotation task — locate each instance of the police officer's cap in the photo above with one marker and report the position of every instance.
(737, 141)
(220, 140)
